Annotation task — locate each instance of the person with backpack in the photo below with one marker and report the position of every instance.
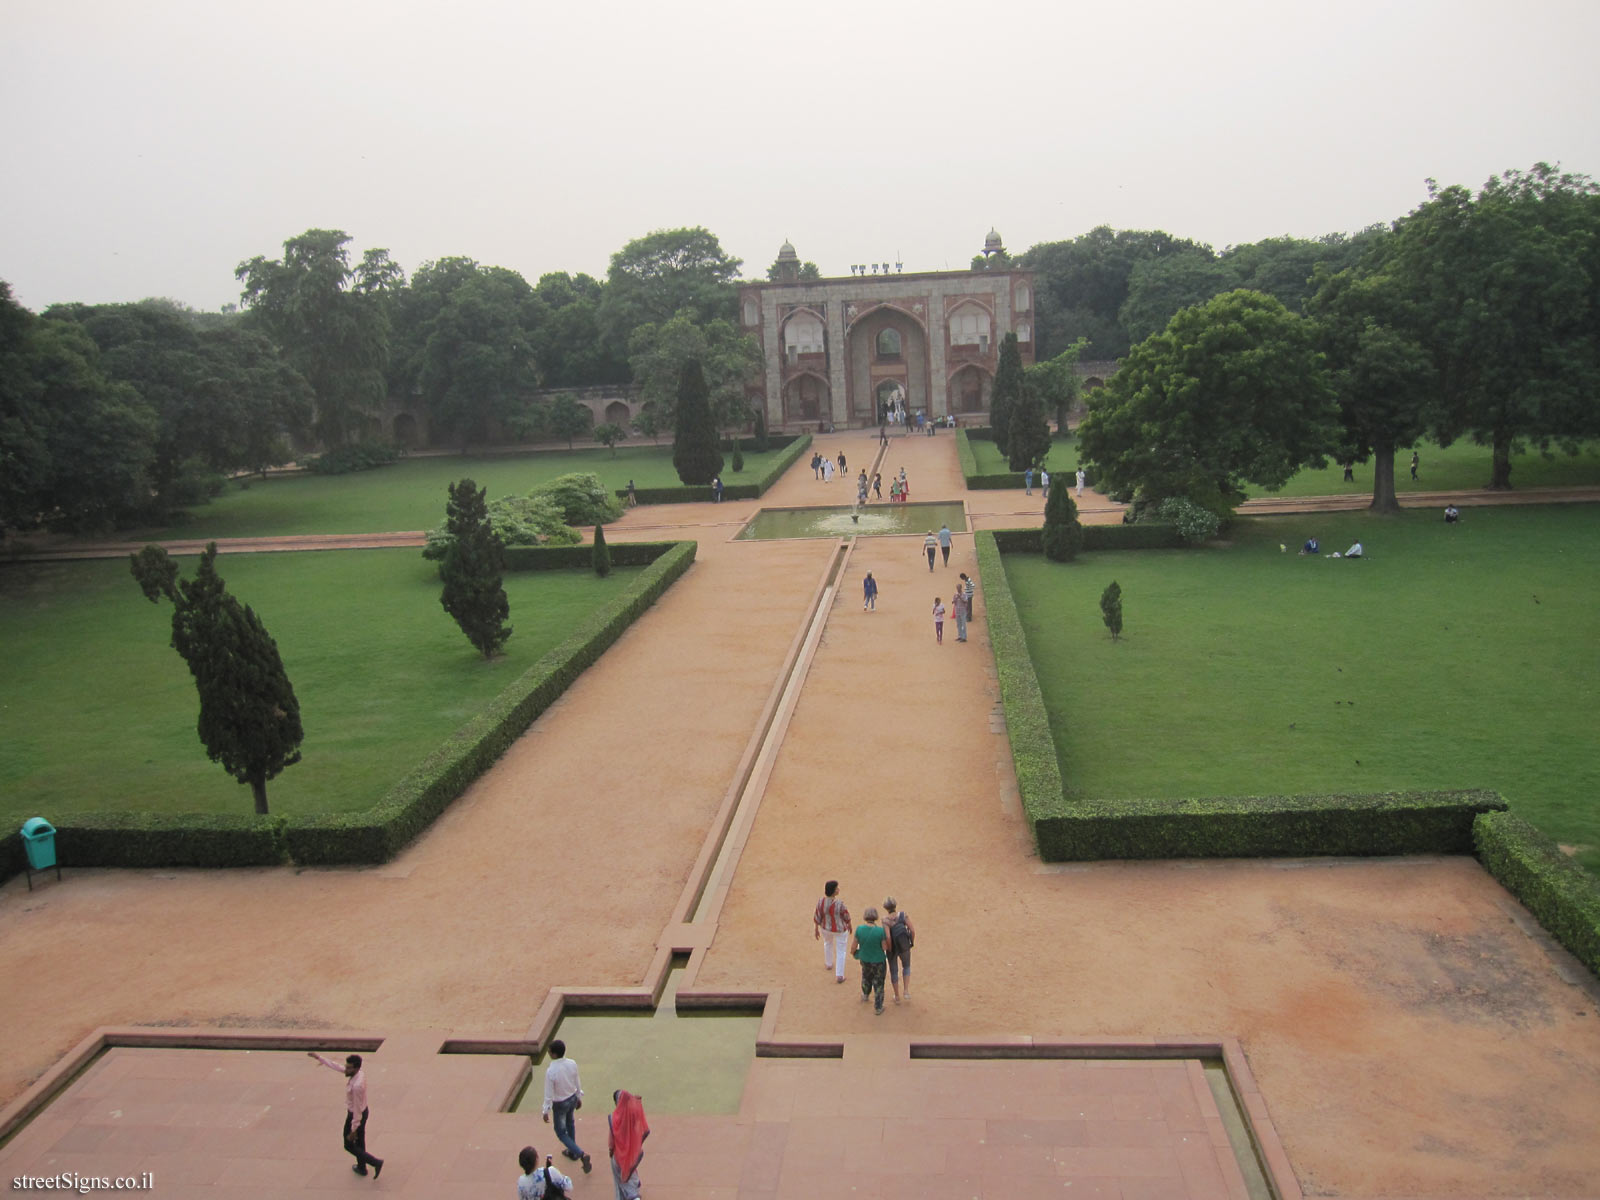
(540, 1183)
(902, 935)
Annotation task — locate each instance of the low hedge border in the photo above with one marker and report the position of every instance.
(230, 840)
(1560, 894)
(428, 789)
(1095, 537)
(730, 491)
(998, 481)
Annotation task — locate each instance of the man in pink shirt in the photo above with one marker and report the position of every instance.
(355, 1118)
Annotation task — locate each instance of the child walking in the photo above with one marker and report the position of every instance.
(938, 620)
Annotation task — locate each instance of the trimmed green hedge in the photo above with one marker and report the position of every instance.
(112, 839)
(1095, 537)
(1561, 895)
(969, 464)
(229, 840)
(1033, 749)
(1264, 826)
(730, 491)
(426, 791)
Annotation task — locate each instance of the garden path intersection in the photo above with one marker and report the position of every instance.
(1391, 1027)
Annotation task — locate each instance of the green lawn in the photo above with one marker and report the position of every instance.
(1462, 465)
(98, 712)
(1447, 658)
(1063, 456)
(411, 493)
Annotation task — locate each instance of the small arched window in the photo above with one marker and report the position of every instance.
(752, 314)
(889, 343)
(803, 335)
(1024, 332)
(1024, 298)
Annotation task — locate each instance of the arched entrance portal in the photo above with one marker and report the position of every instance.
(617, 413)
(891, 401)
(886, 348)
(805, 400)
(969, 390)
(405, 431)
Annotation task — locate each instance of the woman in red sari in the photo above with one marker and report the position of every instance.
(627, 1132)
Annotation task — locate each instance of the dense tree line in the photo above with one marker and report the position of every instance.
(1474, 316)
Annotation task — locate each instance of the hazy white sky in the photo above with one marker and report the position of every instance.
(149, 147)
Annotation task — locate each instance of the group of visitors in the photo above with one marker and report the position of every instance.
(822, 467)
(626, 1130)
(1313, 547)
(960, 608)
(881, 947)
(899, 488)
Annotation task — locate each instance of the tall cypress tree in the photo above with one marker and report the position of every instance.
(471, 570)
(1029, 439)
(249, 717)
(1007, 391)
(1062, 532)
(696, 454)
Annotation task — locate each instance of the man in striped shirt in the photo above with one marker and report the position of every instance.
(832, 925)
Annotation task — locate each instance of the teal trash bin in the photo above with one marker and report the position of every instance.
(39, 841)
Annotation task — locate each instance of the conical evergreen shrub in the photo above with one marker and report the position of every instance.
(602, 552)
(695, 453)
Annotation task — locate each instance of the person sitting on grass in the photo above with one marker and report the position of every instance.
(1310, 547)
(1354, 551)
(1452, 514)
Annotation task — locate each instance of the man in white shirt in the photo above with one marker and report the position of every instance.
(563, 1095)
(1354, 551)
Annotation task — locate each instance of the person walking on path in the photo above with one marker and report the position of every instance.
(1044, 483)
(633, 497)
(944, 542)
(716, 489)
(877, 485)
(1027, 482)
(1082, 478)
(958, 605)
(355, 1117)
(816, 465)
(626, 1130)
(827, 470)
(1414, 463)
(536, 1182)
(842, 467)
(883, 434)
(969, 589)
(905, 488)
(832, 925)
(931, 545)
(869, 946)
(902, 934)
(563, 1096)
(938, 620)
(869, 593)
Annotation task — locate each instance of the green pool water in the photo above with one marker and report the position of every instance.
(873, 520)
(684, 1063)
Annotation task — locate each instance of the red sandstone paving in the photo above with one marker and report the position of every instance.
(1408, 1038)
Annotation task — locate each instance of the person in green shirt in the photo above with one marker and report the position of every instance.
(869, 945)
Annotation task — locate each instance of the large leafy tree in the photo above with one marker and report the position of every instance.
(222, 397)
(1507, 287)
(75, 447)
(331, 320)
(566, 334)
(729, 358)
(1057, 383)
(654, 277)
(1083, 284)
(1233, 391)
(476, 364)
(1382, 376)
(1006, 392)
(1159, 287)
(472, 570)
(696, 454)
(249, 717)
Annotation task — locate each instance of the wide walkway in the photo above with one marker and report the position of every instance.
(1393, 1013)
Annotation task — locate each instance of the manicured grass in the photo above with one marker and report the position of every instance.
(411, 494)
(1447, 658)
(1063, 457)
(1460, 466)
(99, 711)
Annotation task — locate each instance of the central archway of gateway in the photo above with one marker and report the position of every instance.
(885, 348)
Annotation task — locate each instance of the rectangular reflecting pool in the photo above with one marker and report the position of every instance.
(873, 519)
